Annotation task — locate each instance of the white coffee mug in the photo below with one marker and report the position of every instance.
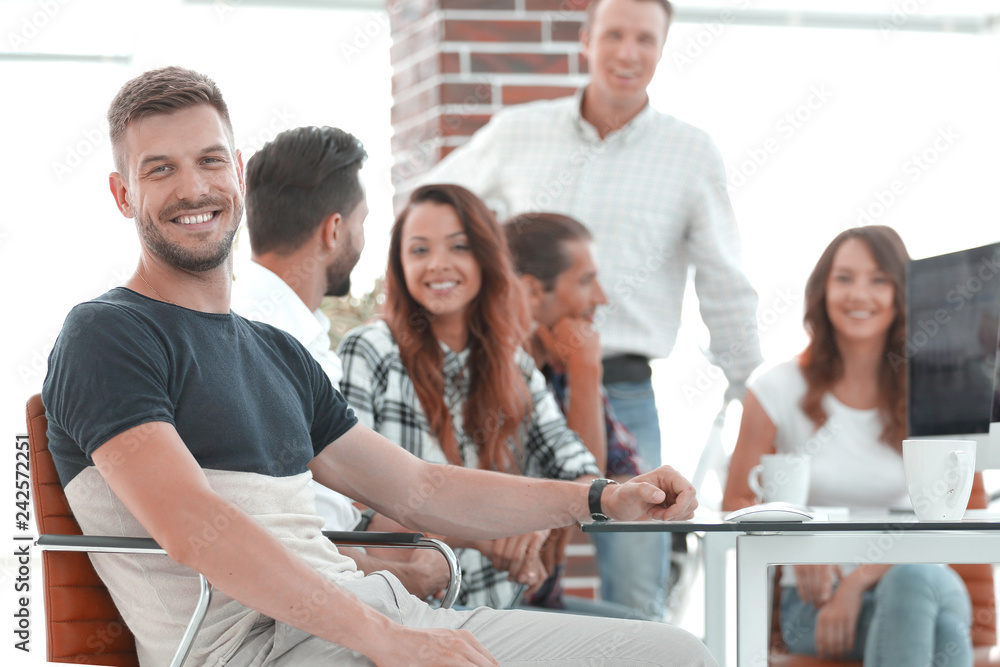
(781, 478)
(939, 477)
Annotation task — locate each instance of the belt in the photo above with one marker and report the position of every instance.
(626, 368)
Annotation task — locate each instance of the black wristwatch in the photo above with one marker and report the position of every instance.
(366, 518)
(594, 499)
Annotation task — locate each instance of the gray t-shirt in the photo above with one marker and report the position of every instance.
(250, 404)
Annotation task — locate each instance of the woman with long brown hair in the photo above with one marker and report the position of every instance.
(443, 373)
(842, 403)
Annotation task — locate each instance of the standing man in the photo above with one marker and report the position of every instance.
(305, 210)
(651, 189)
(173, 418)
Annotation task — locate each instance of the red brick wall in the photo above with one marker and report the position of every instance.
(454, 64)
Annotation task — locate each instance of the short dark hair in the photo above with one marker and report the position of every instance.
(592, 7)
(162, 91)
(536, 244)
(297, 180)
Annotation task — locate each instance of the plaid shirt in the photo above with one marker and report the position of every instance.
(623, 458)
(379, 389)
(654, 196)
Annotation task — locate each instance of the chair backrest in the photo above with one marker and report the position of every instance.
(83, 625)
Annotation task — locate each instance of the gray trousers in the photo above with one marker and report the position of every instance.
(514, 637)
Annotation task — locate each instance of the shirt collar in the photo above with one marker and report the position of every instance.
(454, 362)
(630, 132)
(277, 304)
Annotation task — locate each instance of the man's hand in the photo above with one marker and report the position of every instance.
(572, 342)
(554, 549)
(433, 647)
(663, 494)
(519, 557)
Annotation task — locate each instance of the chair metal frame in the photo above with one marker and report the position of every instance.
(148, 546)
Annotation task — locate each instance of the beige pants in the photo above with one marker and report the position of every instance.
(513, 637)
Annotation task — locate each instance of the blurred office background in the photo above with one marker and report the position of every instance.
(828, 115)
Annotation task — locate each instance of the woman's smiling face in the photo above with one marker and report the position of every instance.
(440, 269)
(859, 294)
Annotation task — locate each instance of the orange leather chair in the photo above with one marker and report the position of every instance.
(83, 625)
(979, 581)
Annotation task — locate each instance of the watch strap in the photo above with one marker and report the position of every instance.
(366, 519)
(594, 499)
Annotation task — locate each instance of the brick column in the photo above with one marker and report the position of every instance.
(456, 62)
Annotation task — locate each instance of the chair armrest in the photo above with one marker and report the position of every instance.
(359, 537)
(99, 544)
(405, 541)
(135, 545)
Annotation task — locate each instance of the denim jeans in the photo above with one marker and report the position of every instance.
(917, 615)
(635, 406)
(635, 567)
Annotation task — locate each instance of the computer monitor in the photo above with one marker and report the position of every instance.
(953, 311)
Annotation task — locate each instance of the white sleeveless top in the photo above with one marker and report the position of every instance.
(849, 465)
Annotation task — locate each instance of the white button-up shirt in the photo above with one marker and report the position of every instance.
(259, 294)
(653, 195)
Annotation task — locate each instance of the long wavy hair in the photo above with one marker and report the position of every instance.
(821, 362)
(499, 401)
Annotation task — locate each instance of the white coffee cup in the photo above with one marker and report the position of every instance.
(939, 477)
(781, 478)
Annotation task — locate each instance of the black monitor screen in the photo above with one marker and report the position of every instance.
(953, 307)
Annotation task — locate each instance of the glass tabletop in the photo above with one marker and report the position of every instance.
(827, 520)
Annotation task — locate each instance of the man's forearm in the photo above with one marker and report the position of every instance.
(444, 499)
(585, 415)
(505, 505)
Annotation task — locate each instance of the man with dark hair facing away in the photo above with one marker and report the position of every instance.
(305, 209)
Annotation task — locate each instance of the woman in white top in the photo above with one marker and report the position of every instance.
(842, 402)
